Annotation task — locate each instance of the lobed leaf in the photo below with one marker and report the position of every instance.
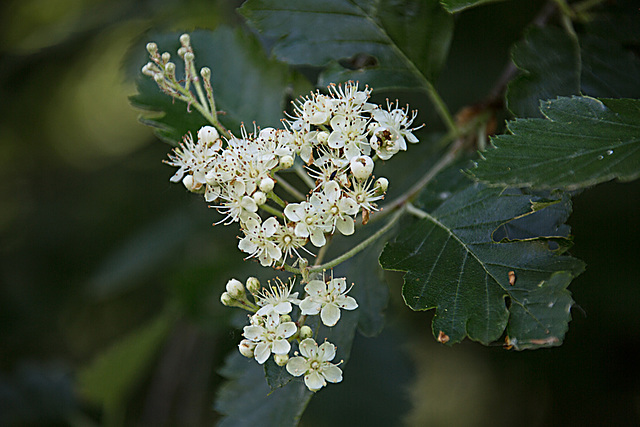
(247, 85)
(550, 62)
(581, 142)
(454, 264)
(390, 44)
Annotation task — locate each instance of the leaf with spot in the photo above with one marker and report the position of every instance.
(454, 265)
(581, 142)
(387, 44)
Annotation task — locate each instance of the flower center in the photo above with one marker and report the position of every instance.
(287, 239)
(309, 220)
(334, 210)
(315, 365)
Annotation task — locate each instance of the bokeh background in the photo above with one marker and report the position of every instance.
(110, 276)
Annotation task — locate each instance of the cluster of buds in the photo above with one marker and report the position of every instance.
(331, 142)
(271, 329)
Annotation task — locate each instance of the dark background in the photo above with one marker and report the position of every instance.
(95, 243)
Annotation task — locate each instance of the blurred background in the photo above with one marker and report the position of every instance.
(110, 276)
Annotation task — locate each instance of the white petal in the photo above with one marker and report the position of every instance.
(286, 329)
(270, 226)
(283, 307)
(332, 373)
(332, 190)
(308, 347)
(291, 212)
(253, 332)
(281, 347)
(249, 204)
(347, 303)
(348, 206)
(326, 351)
(317, 237)
(330, 315)
(262, 352)
(314, 381)
(297, 366)
(316, 287)
(309, 306)
(345, 225)
(247, 245)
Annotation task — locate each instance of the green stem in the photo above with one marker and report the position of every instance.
(273, 196)
(586, 5)
(272, 211)
(416, 212)
(290, 188)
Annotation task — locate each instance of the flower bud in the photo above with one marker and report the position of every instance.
(267, 185)
(253, 285)
(185, 40)
(286, 162)
(166, 57)
(361, 167)
(305, 332)
(152, 48)
(381, 185)
(284, 318)
(260, 198)
(182, 51)
(159, 78)
(189, 182)
(281, 359)
(246, 348)
(205, 72)
(170, 67)
(208, 135)
(149, 69)
(226, 299)
(235, 288)
(189, 57)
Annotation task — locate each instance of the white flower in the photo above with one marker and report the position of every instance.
(257, 241)
(275, 301)
(288, 242)
(364, 195)
(209, 136)
(314, 364)
(308, 222)
(191, 158)
(390, 131)
(238, 206)
(336, 208)
(270, 338)
(346, 130)
(327, 299)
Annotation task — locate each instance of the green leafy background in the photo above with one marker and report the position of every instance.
(105, 263)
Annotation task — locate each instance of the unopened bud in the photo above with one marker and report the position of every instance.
(281, 359)
(253, 285)
(246, 348)
(208, 135)
(159, 78)
(189, 183)
(182, 51)
(205, 72)
(166, 57)
(286, 162)
(226, 299)
(235, 288)
(267, 185)
(305, 332)
(149, 69)
(152, 48)
(171, 68)
(284, 318)
(361, 167)
(260, 198)
(382, 184)
(189, 57)
(185, 40)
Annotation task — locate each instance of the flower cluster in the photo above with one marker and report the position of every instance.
(334, 135)
(329, 143)
(271, 331)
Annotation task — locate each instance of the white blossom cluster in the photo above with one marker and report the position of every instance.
(271, 331)
(330, 142)
(335, 135)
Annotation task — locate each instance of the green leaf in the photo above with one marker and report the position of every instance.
(460, 5)
(609, 70)
(550, 62)
(247, 85)
(112, 376)
(454, 265)
(583, 141)
(245, 399)
(391, 44)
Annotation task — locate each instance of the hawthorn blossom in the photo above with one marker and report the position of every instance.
(270, 337)
(390, 131)
(314, 364)
(308, 222)
(276, 300)
(257, 241)
(336, 208)
(193, 158)
(327, 299)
